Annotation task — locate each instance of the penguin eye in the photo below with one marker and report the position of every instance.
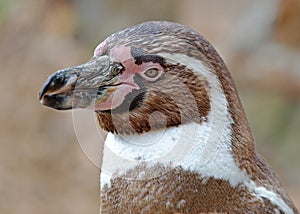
(151, 74)
(116, 69)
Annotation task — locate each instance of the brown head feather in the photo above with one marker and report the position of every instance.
(166, 108)
(165, 37)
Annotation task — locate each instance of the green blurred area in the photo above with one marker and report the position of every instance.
(5, 6)
(42, 168)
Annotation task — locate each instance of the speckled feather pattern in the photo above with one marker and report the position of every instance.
(182, 190)
(191, 105)
(179, 191)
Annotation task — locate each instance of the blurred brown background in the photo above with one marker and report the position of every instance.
(42, 168)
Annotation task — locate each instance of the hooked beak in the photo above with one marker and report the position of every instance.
(79, 86)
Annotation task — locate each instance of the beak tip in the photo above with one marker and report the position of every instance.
(42, 101)
(41, 94)
(44, 90)
(54, 82)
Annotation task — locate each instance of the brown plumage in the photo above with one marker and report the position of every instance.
(180, 191)
(160, 98)
(154, 78)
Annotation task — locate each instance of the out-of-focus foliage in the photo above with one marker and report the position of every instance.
(288, 23)
(42, 168)
(4, 7)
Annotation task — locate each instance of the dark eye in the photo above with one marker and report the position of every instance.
(151, 73)
(116, 69)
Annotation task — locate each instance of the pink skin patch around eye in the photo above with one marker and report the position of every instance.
(123, 55)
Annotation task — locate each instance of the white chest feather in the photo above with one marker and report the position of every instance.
(203, 148)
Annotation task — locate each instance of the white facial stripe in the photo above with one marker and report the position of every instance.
(210, 142)
(210, 152)
(212, 156)
(222, 164)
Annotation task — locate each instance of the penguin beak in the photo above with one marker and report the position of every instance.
(79, 86)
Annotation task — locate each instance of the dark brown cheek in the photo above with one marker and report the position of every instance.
(199, 90)
(105, 121)
(158, 111)
(180, 97)
(139, 125)
(132, 100)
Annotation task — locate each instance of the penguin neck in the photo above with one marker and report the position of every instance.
(205, 148)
